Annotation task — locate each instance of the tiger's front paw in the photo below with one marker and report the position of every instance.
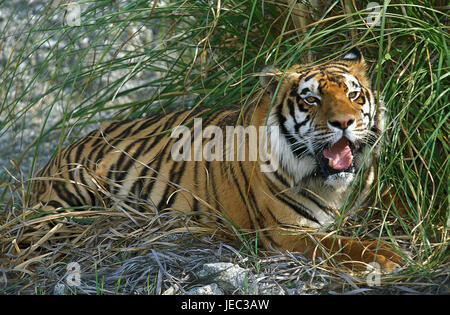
(358, 255)
(385, 258)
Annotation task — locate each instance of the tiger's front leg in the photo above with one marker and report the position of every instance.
(352, 253)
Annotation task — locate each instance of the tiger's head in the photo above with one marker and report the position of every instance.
(327, 119)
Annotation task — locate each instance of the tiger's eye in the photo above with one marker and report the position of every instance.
(310, 99)
(353, 95)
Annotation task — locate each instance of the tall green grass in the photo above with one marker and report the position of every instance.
(134, 58)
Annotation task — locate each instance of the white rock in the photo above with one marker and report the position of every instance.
(228, 276)
(209, 289)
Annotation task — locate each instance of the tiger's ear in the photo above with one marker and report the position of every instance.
(356, 60)
(354, 55)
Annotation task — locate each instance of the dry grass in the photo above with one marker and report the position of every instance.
(123, 251)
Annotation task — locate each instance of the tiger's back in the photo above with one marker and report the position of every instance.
(318, 129)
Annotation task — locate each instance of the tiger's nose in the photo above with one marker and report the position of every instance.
(342, 122)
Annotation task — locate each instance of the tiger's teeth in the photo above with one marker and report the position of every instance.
(330, 163)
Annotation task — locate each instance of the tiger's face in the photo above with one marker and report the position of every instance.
(326, 115)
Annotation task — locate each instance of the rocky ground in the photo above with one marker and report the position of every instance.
(32, 55)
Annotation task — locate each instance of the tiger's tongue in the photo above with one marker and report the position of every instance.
(339, 155)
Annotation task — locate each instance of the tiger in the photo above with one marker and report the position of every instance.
(321, 129)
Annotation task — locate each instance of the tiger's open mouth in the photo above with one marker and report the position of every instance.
(336, 159)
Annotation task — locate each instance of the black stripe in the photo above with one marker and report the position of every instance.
(336, 79)
(294, 205)
(69, 164)
(106, 146)
(143, 149)
(241, 193)
(291, 109)
(195, 206)
(307, 194)
(293, 92)
(148, 122)
(78, 160)
(309, 77)
(285, 133)
(252, 203)
(337, 66)
(89, 192)
(214, 186)
(362, 99)
(304, 91)
(281, 179)
(174, 176)
(211, 117)
(146, 193)
(127, 132)
(65, 195)
(161, 135)
(55, 204)
(122, 169)
(71, 174)
(345, 65)
(143, 187)
(149, 188)
(109, 129)
(92, 146)
(299, 125)
(268, 236)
